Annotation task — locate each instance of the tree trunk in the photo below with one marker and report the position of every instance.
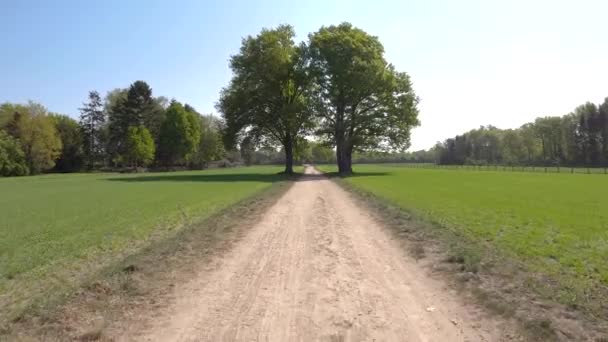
(349, 159)
(343, 149)
(344, 158)
(288, 156)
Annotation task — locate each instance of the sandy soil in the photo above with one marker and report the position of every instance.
(317, 267)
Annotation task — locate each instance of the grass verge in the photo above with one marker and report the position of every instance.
(136, 280)
(500, 282)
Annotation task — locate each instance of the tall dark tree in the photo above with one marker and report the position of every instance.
(362, 101)
(589, 134)
(266, 98)
(603, 123)
(135, 108)
(92, 121)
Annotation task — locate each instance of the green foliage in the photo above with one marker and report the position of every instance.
(180, 134)
(553, 223)
(7, 113)
(140, 146)
(135, 107)
(12, 158)
(60, 229)
(362, 102)
(322, 154)
(36, 132)
(247, 150)
(266, 98)
(72, 157)
(211, 146)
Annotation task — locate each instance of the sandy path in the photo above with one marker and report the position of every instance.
(316, 268)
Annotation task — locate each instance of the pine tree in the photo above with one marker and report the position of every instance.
(136, 107)
(92, 120)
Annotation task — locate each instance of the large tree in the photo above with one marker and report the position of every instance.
(133, 108)
(92, 121)
(266, 98)
(180, 135)
(361, 100)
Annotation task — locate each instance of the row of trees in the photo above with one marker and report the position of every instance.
(129, 128)
(337, 86)
(579, 138)
(135, 128)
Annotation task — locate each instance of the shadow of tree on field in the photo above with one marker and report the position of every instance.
(237, 177)
(356, 174)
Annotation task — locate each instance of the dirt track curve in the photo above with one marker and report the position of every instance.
(317, 267)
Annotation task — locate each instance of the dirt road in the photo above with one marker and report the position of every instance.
(316, 268)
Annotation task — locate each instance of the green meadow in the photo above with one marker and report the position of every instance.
(557, 224)
(57, 229)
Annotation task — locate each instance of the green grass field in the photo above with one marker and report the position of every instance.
(57, 228)
(556, 223)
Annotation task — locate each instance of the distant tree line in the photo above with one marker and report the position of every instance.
(129, 128)
(579, 138)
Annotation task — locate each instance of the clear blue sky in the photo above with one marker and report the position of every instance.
(472, 62)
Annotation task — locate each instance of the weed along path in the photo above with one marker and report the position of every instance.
(317, 267)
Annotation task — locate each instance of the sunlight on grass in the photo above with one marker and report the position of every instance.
(56, 228)
(556, 223)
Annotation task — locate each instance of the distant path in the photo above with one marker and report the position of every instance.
(316, 267)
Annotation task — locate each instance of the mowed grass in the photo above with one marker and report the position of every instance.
(56, 229)
(557, 224)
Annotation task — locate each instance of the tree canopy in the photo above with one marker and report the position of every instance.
(12, 158)
(133, 108)
(71, 158)
(179, 134)
(36, 132)
(266, 98)
(139, 146)
(362, 102)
